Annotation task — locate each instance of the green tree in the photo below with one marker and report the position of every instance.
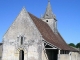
(72, 44)
(78, 45)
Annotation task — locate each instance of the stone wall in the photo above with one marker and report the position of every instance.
(32, 51)
(78, 57)
(71, 56)
(63, 57)
(44, 56)
(24, 27)
(52, 23)
(75, 56)
(0, 51)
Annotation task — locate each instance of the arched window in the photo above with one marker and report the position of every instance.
(21, 40)
(21, 55)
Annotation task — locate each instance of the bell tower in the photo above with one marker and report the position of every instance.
(50, 18)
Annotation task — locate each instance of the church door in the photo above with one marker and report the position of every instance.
(21, 55)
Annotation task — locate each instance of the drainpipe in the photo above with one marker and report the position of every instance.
(76, 56)
(58, 54)
(70, 55)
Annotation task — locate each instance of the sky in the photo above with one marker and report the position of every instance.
(67, 14)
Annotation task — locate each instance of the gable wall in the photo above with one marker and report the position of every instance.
(32, 46)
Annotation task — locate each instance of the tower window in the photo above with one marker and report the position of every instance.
(46, 20)
(21, 40)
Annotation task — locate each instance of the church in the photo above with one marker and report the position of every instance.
(32, 38)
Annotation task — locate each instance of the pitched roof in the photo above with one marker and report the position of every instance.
(49, 35)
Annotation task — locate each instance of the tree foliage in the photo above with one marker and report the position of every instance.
(78, 45)
(72, 44)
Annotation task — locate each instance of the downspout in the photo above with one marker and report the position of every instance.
(58, 54)
(70, 56)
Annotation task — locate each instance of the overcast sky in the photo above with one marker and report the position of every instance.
(67, 14)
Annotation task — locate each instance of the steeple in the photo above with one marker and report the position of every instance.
(50, 18)
(49, 14)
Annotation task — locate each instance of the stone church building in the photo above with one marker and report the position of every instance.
(32, 38)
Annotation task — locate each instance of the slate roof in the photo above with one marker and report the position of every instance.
(49, 35)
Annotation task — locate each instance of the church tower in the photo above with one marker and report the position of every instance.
(50, 18)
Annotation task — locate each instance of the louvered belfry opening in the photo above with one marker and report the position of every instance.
(21, 55)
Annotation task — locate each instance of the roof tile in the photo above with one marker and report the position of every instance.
(49, 35)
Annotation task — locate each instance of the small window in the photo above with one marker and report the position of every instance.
(46, 20)
(21, 40)
(64, 52)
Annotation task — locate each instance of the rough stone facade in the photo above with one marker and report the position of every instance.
(24, 27)
(1, 50)
(70, 56)
(52, 23)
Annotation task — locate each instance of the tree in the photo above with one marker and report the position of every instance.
(78, 45)
(72, 44)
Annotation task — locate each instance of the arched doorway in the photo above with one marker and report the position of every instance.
(21, 55)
